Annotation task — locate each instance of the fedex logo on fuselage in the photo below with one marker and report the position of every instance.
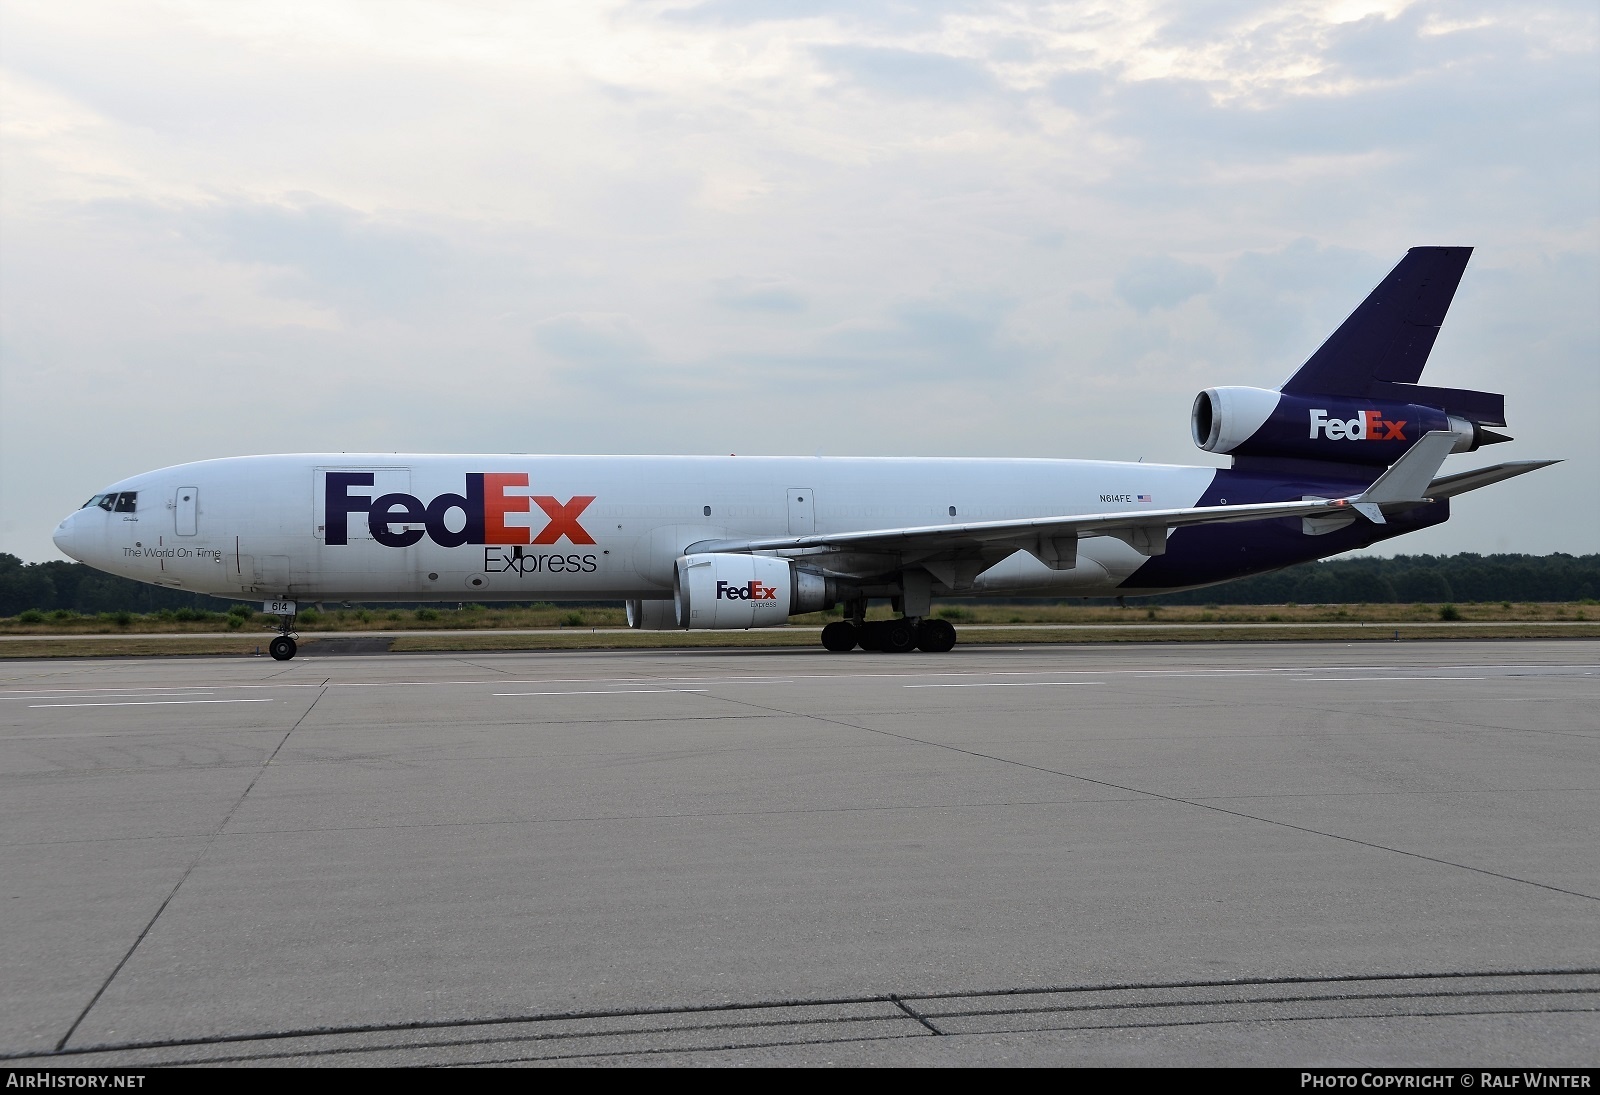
(1366, 426)
(483, 509)
(750, 591)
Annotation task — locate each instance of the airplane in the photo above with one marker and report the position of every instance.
(1344, 454)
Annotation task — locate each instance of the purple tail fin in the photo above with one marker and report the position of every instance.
(1380, 350)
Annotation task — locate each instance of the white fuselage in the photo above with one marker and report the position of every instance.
(261, 526)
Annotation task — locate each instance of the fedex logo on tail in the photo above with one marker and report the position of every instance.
(750, 591)
(483, 508)
(1366, 426)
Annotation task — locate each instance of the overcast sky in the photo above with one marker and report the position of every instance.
(775, 226)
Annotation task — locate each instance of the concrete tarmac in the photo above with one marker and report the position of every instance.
(1297, 854)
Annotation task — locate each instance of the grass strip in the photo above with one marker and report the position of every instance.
(787, 637)
(132, 646)
(582, 620)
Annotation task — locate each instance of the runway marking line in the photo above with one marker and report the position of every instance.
(118, 690)
(1300, 679)
(142, 703)
(606, 692)
(141, 690)
(555, 680)
(124, 695)
(1009, 684)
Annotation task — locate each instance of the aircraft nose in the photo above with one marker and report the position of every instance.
(64, 536)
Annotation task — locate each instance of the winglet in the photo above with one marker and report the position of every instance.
(1408, 479)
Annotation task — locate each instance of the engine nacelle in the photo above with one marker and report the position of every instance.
(652, 615)
(1257, 422)
(721, 591)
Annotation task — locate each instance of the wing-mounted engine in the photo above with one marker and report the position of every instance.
(652, 615)
(722, 590)
(1350, 430)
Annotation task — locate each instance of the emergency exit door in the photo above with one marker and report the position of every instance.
(186, 508)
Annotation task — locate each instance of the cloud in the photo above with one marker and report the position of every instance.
(927, 340)
(965, 328)
(1375, 84)
(326, 250)
(907, 72)
(306, 247)
(898, 214)
(592, 338)
(1192, 23)
(902, 15)
(1162, 282)
(759, 295)
(1080, 89)
(1284, 303)
(1399, 48)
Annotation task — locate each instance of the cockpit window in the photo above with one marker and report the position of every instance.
(127, 501)
(106, 501)
(95, 501)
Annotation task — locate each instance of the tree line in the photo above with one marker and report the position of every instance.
(1410, 579)
(74, 587)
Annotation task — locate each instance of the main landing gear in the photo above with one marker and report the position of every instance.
(890, 636)
(283, 647)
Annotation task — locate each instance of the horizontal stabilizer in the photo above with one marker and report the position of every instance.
(1451, 485)
(1484, 408)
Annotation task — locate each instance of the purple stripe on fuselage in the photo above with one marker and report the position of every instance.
(1203, 555)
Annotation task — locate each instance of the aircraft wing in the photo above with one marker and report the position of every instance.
(1054, 540)
(1050, 538)
(1451, 485)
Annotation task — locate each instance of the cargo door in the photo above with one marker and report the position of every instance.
(360, 566)
(186, 509)
(802, 512)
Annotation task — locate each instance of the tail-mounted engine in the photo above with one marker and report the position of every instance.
(1351, 430)
(716, 590)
